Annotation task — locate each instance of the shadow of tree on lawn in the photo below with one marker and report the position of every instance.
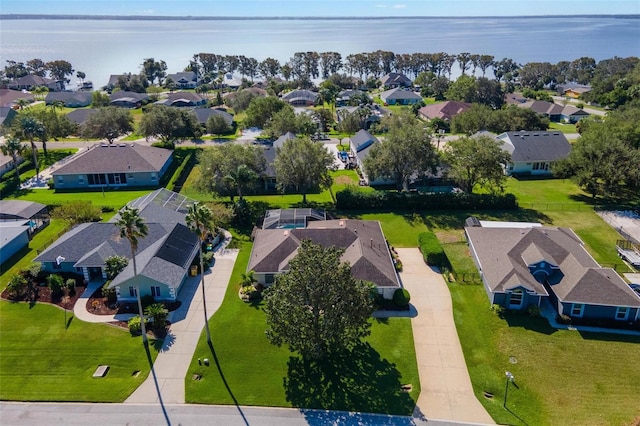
(351, 380)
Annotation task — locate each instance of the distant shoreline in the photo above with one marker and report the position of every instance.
(15, 16)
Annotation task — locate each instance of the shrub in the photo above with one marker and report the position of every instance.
(34, 271)
(114, 265)
(71, 286)
(17, 286)
(207, 257)
(353, 199)
(431, 249)
(147, 300)
(499, 310)
(134, 325)
(158, 313)
(109, 293)
(401, 297)
(534, 311)
(55, 283)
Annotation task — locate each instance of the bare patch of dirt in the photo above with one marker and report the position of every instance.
(344, 180)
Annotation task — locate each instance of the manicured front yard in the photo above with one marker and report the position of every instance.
(562, 377)
(43, 361)
(251, 371)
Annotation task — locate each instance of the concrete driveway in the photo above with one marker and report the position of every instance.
(446, 391)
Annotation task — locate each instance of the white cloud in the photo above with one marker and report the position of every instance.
(399, 6)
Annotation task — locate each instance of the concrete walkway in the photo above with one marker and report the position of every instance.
(446, 391)
(187, 325)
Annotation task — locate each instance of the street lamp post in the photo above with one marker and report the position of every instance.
(509, 376)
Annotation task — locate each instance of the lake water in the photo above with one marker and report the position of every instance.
(103, 47)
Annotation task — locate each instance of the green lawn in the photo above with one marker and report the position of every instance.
(43, 361)
(562, 377)
(564, 128)
(254, 372)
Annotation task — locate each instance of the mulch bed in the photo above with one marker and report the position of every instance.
(98, 304)
(42, 294)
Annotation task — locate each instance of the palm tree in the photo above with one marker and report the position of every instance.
(200, 221)
(13, 148)
(239, 177)
(32, 128)
(22, 102)
(132, 227)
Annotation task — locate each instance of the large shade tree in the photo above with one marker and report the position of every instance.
(317, 307)
(405, 153)
(302, 165)
(200, 221)
(169, 123)
(230, 169)
(108, 123)
(133, 227)
(476, 161)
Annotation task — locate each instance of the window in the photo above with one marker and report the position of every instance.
(81, 179)
(268, 279)
(577, 309)
(154, 176)
(133, 292)
(60, 179)
(622, 313)
(516, 298)
(155, 291)
(96, 179)
(536, 166)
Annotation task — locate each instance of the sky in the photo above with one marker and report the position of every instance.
(324, 8)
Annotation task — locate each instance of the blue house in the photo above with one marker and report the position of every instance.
(525, 266)
(163, 258)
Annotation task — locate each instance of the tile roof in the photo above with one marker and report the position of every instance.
(116, 158)
(363, 241)
(506, 255)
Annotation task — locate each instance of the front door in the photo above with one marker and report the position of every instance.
(515, 299)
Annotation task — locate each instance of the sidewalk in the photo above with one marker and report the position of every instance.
(446, 391)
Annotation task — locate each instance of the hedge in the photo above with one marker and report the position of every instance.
(353, 199)
(431, 249)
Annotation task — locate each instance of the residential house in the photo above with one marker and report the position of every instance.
(114, 166)
(113, 82)
(399, 96)
(364, 244)
(184, 80)
(443, 110)
(163, 257)
(269, 178)
(369, 114)
(9, 98)
(394, 79)
(34, 215)
(572, 90)
(14, 236)
(555, 112)
(532, 266)
(533, 153)
(69, 99)
(31, 81)
(572, 114)
(300, 97)
(203, 115)
(127, 99)
(184, 99)
(344, 98)
(81, 115)
(7, 164)
(7, 115)
(231, 81)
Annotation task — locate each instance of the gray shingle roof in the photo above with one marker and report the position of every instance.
(69, 98)
(505, 255)
(535, 146)
(397, 94)
(116, 158)
(363, 241)
(395, 78)
(361, 143)
(203, 115)
(79, 116)
(19, 209)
